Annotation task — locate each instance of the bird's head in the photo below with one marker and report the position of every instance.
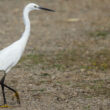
(33, 6)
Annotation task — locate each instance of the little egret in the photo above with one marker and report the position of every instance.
(10, 55)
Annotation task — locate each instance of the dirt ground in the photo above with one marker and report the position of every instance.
(66, 64)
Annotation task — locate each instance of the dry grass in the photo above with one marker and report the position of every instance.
(66, 65)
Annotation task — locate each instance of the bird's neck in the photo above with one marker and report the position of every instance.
(26, 33)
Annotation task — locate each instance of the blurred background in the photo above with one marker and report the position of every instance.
(66, 64)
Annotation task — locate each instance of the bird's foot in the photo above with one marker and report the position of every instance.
(4, 106)
(17, 97)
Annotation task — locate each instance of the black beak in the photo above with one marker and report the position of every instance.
(46, 9)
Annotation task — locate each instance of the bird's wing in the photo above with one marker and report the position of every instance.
(9, 56)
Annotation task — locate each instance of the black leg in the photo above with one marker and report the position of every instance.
(2, 85)
(16, 93)
(3, 92)
(9, 88)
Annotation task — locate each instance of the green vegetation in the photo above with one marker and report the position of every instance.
(64, 60)
(100, 34)
(32, 59)
(95, 88)
(100, 60)
(45, 74)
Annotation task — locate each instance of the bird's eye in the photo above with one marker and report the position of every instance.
(35, 6)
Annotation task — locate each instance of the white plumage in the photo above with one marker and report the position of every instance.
(10, 55)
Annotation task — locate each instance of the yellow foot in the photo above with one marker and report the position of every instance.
(17, 97)
(4, 106)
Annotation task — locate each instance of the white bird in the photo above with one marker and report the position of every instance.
(10, 55)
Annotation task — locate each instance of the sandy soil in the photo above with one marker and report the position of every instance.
(66, 64)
